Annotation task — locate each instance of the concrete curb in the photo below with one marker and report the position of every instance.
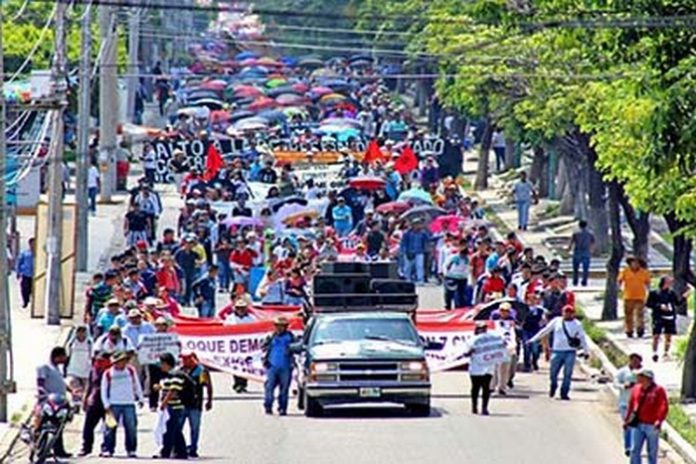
(684, 449)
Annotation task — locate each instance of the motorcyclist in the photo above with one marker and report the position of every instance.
(50, 382)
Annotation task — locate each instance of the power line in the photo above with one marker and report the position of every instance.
(651, 22)
(36, 46)
(380, 52)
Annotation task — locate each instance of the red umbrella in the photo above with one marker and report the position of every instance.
(367, 183)
(247, 91)
(449, 223)
(219, 115)
(262, 103)
(393, 207)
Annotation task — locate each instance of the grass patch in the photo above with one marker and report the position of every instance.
(679, 419)
(496, 221)
(599, 336)
(16, 418)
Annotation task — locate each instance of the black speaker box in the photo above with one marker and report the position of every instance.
(392, 286)
(386, 270)
(327, 284)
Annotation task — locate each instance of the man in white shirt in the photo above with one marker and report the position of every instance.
(624, 380)
(568, 337)
(485, 350)
(120, 392)
(93, 183)
(149, 159)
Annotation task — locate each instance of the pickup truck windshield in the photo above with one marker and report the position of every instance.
(361, 329)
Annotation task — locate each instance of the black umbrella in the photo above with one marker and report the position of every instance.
(241, 114)
(276, 204)
(485, 310)
(283, 89)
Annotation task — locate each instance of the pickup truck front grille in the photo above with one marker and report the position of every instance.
(367, 371)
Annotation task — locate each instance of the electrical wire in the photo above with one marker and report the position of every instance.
(651, 22)
(20, 12)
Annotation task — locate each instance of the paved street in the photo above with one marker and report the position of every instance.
(581, 431)
(575, 432)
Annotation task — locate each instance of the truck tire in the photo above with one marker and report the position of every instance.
(300, 399)
(419, 410)
(312, 407)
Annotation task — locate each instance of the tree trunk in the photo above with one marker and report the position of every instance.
(639, 222)
(564, 191)
(538, 173)
(611, 290)
(510, 145)
(597, 203)
(681, 261)
(683, 275)
(481, 182)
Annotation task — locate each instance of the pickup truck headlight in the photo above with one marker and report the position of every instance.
(322, 367)
(414, 366)
(414, 371)
(323, 372)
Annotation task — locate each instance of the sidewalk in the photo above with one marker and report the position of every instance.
(504, 218)
(32, 339)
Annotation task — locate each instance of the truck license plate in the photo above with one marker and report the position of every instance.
(370, 392)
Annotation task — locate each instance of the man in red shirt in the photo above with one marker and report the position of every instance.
(493, 284)
(241, 259)
(647, 410)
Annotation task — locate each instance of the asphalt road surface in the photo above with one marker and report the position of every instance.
(524, 427)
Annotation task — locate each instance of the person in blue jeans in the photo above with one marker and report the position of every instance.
(567, 337)
(204, 293)
(413, 246)
(523, 193)
(278, 360)
(193, 412)
(624, 380)
(582, 243)
(120, 392)
(647, 410)
(530, 327)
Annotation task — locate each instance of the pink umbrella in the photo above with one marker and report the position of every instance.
(216, 84)
(393, 207)
(300, 87)
(449, 223)
(290, 99)
(321, 91)
(243, 221)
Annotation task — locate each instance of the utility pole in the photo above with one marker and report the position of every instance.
(83, 161)
(54, 241)
(133, 60)
(108, 102)
(6, 384)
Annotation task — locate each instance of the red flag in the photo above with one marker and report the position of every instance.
(213, 162)
(373, 153)
(406, 162)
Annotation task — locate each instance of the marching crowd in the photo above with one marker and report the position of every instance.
(266, 245)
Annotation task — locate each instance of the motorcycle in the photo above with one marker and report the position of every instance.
(54, 414)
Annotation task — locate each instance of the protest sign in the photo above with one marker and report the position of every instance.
(151, 346)
(237, 350)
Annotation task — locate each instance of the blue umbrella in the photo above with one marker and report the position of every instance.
(289, 61)
(416, 195)
(245, 55)
(273, 116)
